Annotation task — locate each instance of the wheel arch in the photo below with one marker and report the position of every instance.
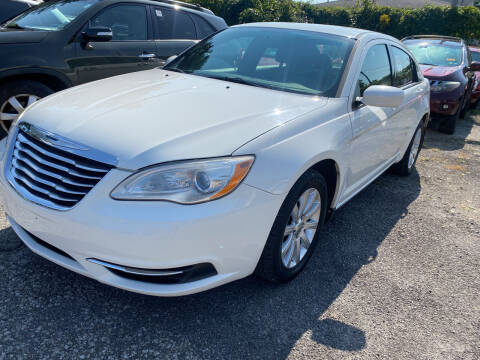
(53, 79)
(331, 172)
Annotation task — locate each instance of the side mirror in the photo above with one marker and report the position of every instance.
(170, 59)
(383, 96)
(475, 66)
(97, 34)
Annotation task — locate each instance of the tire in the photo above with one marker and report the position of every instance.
(448, 125)
(271, 265)
(464, 108)
(406, 165)
(27, 91)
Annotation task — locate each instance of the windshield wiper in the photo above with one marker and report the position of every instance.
(235, 79)
(428, 64)
(175, 70)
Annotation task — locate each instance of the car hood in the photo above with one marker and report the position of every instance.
(157, 116)
(438, 71)
(9, 36)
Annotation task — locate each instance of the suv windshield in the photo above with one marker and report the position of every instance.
(50, 16)
(438, 52)
(297, 61)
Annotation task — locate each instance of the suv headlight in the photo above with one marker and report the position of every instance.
(444, 86)
(187, 182)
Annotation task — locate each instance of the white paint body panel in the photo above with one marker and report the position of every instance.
(157, 116)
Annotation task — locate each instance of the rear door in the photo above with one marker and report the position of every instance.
(174, 31)
(131, 49)
(407, 78)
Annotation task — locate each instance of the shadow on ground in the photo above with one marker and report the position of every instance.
(248, 318)
(453, 142)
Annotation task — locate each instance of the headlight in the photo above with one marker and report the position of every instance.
(187, 182)
(444, 86)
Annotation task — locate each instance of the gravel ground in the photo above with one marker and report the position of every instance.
(396, 277)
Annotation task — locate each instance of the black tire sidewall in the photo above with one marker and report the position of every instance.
(311, 179)
(420, 127)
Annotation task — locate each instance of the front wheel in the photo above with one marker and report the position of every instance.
(406, 165)
(296, 229)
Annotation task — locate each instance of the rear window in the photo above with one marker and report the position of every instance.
(204, 29)
(173, 24)
(403, 67)
(437, 52)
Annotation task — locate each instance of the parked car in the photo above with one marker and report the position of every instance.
(446, 62)
(224, 163)
(475, 53)
(11, 8)
(63, 43)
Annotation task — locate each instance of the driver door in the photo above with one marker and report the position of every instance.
(373, 144)
(131, 48)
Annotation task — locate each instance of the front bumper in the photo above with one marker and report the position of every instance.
(443, 104)
(228, 233)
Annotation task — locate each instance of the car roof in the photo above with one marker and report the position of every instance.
(330, 29)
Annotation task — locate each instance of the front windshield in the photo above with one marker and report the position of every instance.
(288, 60)
(50, 16)
(436, 52)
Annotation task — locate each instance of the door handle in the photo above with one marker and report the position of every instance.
(147, 56)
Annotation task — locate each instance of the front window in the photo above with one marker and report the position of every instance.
(376, 69)
(437, 52)
(287, 60)
(127, 21)
(50, 16)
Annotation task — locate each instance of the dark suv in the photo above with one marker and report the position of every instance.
(446, 62)
(63, 43)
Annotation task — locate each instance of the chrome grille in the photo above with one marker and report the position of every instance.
(50, 176)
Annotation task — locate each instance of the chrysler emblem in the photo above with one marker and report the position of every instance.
(49, 138)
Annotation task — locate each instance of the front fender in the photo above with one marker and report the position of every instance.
(284, 154)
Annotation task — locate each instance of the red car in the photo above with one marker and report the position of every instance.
(446, 62)
(475, 52)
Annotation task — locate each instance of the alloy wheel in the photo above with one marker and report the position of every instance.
(301, 228)
(11, 109)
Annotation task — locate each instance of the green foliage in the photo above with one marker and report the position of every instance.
(441, 20)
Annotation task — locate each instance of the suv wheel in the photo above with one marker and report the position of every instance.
(296, 229)
(15, 96)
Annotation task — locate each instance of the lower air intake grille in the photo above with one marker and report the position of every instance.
(51, 176)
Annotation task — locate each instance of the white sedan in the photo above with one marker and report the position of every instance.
(225, 163)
